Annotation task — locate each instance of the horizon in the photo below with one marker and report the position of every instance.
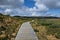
(32, 16)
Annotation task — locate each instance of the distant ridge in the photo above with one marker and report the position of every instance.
(37, 16)
(32, 16)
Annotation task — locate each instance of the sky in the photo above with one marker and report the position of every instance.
(30, 7)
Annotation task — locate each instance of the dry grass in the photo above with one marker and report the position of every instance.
(9, 27)
(42, 29)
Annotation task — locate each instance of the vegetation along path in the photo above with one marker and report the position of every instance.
(26, 32)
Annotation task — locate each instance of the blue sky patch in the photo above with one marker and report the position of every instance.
(29, 3)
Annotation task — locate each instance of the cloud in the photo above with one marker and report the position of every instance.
(22, 1)
(37, 10)
(17, 11)
(12, 3)
(36, 14)
(40, 8)
(7, 11)
(50, 3)
(11, 7)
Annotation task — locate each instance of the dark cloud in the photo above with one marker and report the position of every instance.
(54, 4)
(13, 3)
(51, 3)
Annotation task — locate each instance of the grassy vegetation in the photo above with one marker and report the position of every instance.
(48, 29)
(9, 26)
(45, 28)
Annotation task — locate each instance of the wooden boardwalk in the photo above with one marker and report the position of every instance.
(26, 32)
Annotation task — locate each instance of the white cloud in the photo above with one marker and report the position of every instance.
(41, 7)
(38, 10)
(36, 14)
(22, 1)
(7, 11)
(49, 3)
(11, 6)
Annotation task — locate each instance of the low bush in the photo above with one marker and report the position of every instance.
(36, 30)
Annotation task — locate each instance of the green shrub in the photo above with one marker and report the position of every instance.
(54, 29)
(58, 35)
(54, 26)
(36, 30)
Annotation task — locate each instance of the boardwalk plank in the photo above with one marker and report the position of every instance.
(26, 32)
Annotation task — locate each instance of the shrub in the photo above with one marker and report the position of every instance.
(36, 30)
(54, 26)
(58, 35)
